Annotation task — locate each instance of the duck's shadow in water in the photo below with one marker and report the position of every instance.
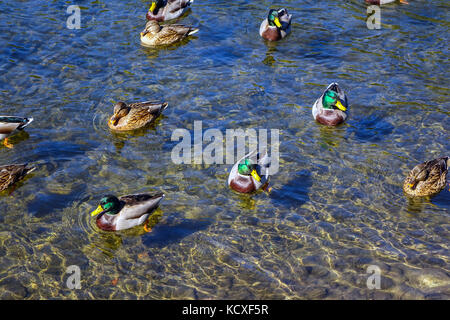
(109, 242)
(331, 137)
(416, 205)
(269, 60)
(370, 128)
(294, 193)
(119, 138)
(174, 231)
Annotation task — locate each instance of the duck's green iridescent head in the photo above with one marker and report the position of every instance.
(331, 101)
(108, 204)
(273, 19)
(247, 168)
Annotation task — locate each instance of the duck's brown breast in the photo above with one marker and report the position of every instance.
(330, 118)
(242, 184)
(271, 34)
(106, 223)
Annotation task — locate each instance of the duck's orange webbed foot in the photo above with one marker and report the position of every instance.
(404, 2)
(7, 144)
(146, 227)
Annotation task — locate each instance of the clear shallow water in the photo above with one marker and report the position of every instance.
(336, 206)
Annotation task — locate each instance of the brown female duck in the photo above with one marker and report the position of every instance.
(10, 174)
(427, 178)
(135, 115)
(156, 35)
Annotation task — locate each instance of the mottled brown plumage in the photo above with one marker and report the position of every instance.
(427, 178)
(10, 174)
(135, 115)
(156, 35)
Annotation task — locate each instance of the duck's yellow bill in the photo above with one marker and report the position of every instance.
(256, 176)
(340, 106)
(96, 211)
(277, 22)
(153, 7)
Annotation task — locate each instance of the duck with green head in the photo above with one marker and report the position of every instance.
(250, 173)
(162, 10)
(330, 109)
(126, 212)
(276, 26)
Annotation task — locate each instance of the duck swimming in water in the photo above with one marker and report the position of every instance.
(133, 116)
(163, 10)
(330, 108)
(276, 26)
(250, 173)
(427, 178)
(156, 35)
(114, 214)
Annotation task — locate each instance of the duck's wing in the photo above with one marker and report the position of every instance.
(429, 171)
(145, 111)
(177, 5)
(10, 174)
(178, 30)
(285, 18)
(137, 205)
(10, 123)
(149, 106)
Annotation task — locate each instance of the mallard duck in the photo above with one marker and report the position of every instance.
(10, 125)
(276, 26)
(330, 108)
(10, 174)
(380, 2)
(250, 173)
(427, 178)
(162, 10)
(126, 212)
(135, 115)
(156, 35)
